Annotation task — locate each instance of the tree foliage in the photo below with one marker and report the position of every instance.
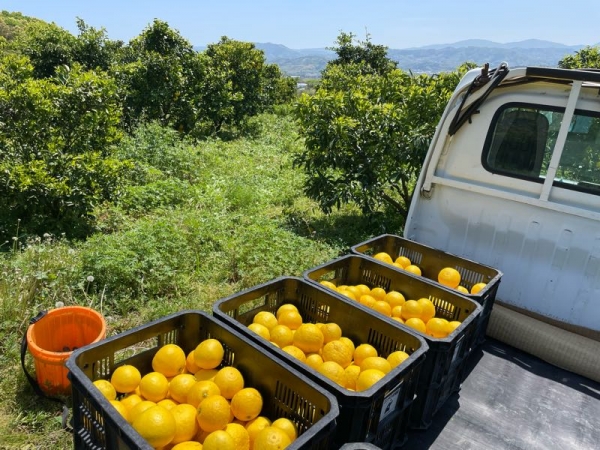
(586, 58)
(369, 57)
(367, 131)
(66, 101)
(56, 138)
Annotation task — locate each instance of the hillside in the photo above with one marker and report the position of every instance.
(308, 63)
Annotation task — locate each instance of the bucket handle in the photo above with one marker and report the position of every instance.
(33, 382)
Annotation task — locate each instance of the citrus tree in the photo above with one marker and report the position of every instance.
(586, 58)
(367, 128)
(57, 135)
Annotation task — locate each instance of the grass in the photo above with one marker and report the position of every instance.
(204, 222)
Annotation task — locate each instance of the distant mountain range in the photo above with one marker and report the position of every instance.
(308, 63)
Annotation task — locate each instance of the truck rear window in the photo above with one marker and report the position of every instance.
(522, 138)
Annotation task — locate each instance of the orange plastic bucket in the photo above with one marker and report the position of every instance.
(52, 339)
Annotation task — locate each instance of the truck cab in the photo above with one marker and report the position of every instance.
(512, 180)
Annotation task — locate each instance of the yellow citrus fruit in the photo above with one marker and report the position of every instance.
(363, 288)
(291, 319)
(139, 408)
(394, 298)
(416, 324)
(364, 351)
(368, 378)
(271, 438)
(247, 404)
(398, 319)
(367, 300)
(328, 284)
(187, 445)
(352, 372)
(261, 330)
(462, 289)
(347, 293)
(190, 364)
(397, 312)
(308, 338)
(383, 307)
(240, 435)
(383, 256)
(213, 413)
(356, 291)
(130, 400)
(403, 261)
(186, 425)
(477, 287)
(167, 403)
(398, 265)
(396, 358)
(295, 352)
(170, 360)
(205, 374)
(437, 328)
(282, 335)
(255, 426)
(229, 380)
(125, 378)
(121, 409)
(285, 307)
(219, 440)
(376, 362)
(106, 388)
(314, 360)
(428, 309)
(453, 325)
(208, 354)
(154, 386)
(201, 390)
(156, 425)
(266, 318)
(378, 293)
(449, 276)
(180, 385)
(337, 351)
(201, 435)
(413, 269)
(349, 343)
(288, 426)
(333, 371)
(331, 332)
(411, 308)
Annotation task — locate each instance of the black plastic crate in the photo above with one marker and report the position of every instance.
(286, 392)
(431, 261)
(446, 357)
(378, 415)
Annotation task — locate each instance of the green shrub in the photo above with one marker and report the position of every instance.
(56, 138)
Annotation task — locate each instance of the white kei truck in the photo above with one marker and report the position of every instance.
(512, 180)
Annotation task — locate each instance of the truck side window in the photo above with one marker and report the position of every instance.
(518, 142)
(579, 166)
(522, 138)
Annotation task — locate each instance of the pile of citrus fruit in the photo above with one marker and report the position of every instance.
(190, 402)
(323, 347)
(418, 314)
(448, 276)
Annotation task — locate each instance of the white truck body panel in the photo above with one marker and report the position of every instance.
(544, 236)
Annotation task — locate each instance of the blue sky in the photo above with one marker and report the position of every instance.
(311, 23)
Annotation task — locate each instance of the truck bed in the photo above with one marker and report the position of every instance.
(512, 400)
